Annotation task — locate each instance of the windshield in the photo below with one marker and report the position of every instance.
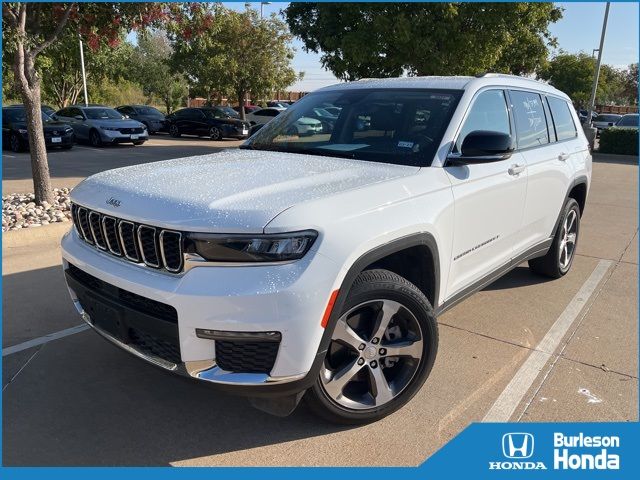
(628, 121)
(19, 115)
(400, 126)
(103, 114)
(149, 111)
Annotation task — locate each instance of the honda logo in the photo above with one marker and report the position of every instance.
(517, 445)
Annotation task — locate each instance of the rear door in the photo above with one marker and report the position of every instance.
(489, 198)
(547, 147)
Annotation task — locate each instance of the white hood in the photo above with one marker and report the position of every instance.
(234, 191)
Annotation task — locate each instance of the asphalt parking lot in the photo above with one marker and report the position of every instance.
(70, 167)
(524, 349)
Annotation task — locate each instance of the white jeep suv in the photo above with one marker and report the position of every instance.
(316, 265)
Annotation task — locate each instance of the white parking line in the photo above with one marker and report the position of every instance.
(89, 148)
(8, 156)
(42, 340)
(510, 398)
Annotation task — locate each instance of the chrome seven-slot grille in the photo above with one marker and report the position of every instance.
(155, 247)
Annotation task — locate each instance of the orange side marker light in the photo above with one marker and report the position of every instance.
(329, 309)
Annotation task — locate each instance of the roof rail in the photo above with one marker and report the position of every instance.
(504, 75)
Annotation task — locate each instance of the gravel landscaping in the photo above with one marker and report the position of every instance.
(19, 210)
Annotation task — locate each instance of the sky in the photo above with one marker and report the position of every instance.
(578, 30)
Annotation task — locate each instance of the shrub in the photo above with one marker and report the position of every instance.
(623, 141)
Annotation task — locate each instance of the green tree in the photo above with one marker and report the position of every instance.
(573, 74)
(631, 84)
(60, 69)
(30, 29)
(389, 39)
(235, 53)
(150, 65)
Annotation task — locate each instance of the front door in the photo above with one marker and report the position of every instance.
(489, 199)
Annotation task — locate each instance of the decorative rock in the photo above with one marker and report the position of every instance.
(20, 210)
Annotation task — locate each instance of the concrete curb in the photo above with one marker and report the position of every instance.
(612, 157)
(35, 235)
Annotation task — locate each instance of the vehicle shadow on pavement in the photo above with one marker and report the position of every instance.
(518, 277)
(82, 401)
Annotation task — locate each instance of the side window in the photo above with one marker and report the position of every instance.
(75, 111)
(181, 114)
(196, 114)
(531, 123)
(489, 112)
(63, 113)
(270, 113)
(562, 119)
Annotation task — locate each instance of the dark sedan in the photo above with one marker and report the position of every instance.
(14, 130)
(151, 117)
(213, 122)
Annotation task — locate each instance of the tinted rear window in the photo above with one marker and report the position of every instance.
(562, 119)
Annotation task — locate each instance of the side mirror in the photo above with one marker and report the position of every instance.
(78, 117)
(481, 146)
(611, 124)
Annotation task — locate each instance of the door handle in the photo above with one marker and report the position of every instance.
(563, 157)
(516, 169)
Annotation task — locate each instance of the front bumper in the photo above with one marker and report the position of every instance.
(64, 140)
(231, 131)
(289, 299)
(112, 136)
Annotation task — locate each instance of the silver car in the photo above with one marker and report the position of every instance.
(605, 120)
(102, 125)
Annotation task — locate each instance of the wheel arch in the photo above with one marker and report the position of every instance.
(393, 256)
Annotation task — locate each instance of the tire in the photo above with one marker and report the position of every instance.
(413, 325)
(215, 133)
(94, 139)
(558, 260)
(174, 131)
(15, 143)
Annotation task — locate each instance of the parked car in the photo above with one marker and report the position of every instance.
(262, 115)
(214, 122)
(302, 126)
(150, 117)
(48, 110)
(102, 125)
(317, 266)
(15, 135)
(248, 108)
(629, 121)
(605, 120)
(277, 104)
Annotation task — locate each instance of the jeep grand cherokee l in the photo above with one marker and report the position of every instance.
(315, 266)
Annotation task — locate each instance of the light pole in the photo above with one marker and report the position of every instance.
(262, 4)
(596, 74)
(84, 75)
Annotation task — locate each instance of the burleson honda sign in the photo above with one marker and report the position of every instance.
(570, 452)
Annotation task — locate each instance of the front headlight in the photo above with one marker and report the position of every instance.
(250, 248)
(111, 129)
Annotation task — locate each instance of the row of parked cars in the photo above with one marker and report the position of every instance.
(101, 125)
